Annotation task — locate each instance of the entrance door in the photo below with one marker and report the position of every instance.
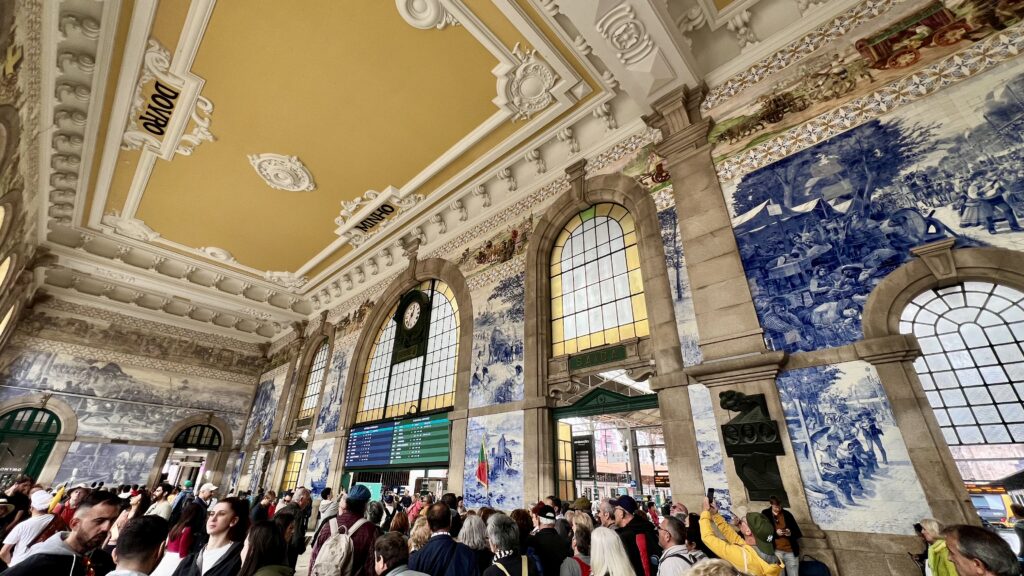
(192, 450)
(27, 436)
(609, 444)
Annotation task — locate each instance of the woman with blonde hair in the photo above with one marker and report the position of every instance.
(419, 534)
(607, 556)
(938, 555)
(580, 519)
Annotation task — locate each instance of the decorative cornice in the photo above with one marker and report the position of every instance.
(283, 172)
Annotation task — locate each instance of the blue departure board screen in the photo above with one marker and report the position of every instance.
(413, 442)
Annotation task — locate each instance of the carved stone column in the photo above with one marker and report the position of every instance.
(726, 318)
(893, 358)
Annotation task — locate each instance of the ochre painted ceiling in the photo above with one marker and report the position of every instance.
(362, 98)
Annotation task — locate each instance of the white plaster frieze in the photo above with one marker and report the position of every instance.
(283, 172)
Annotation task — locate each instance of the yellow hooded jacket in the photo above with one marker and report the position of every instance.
(734, 549)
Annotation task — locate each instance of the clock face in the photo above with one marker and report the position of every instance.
(411, 316)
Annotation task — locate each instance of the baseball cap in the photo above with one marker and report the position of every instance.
(627, 503)
(359, 493)
(126, 495)
(208, 487)
(543, 510)
(41, 499)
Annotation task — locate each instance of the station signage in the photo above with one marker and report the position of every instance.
(414, 443)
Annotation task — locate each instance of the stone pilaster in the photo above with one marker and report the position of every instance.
(726, 319)
(684, 469)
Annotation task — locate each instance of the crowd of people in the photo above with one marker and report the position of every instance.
(179, 531)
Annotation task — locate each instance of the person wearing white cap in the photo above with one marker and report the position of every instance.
(25, 534)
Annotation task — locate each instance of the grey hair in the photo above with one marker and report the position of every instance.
(606, 506)
(374, 512)
(714, 568)
(675, 529)
(976, 543)
(474, 533)
(299, 493)
(503, 532)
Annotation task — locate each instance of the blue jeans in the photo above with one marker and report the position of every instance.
(791, 561)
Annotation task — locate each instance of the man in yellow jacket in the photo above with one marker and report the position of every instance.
(751, 553)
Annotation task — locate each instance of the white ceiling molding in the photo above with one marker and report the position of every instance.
(76, 40)
(281, 172)
(425, 14)
(526, 89)
(634, 43)
(129, 227)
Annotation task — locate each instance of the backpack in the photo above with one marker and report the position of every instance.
(647, 557)
(335, 556)
(811, 566)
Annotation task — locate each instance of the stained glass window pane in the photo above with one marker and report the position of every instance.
(314, 379)
(424, 383)
(973, 366)
(597, 268)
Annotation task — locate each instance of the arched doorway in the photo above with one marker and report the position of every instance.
(193, 448)
(27, 436)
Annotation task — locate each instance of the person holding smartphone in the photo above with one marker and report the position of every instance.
(787, 535)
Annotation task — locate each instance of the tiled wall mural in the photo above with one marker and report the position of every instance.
(499, 301)
(329, 418)
(497, 249)
(235, 464)
(112, 464)
(896, 45)
(494, 461)
(709, 447)
(854, 463)
(117, 400)
(318, 465)
(264, 405)
(819, 229)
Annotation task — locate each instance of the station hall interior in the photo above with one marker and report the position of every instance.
(516, 248)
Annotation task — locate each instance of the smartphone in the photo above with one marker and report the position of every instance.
(711, 495)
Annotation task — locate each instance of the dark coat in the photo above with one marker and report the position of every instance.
(550, 548)
(39, 564)
(794, 529)
(693, 535)
(484, 559)
(514, 565)
(443, 556)
(628, 533)
(228, 565)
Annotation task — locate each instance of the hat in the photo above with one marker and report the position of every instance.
(544, 511)
(580, 504)
(627, 503)
(208, 487)
(188, 483)
(132, 494)
(41, 500)
(764, 532)
(359, 493)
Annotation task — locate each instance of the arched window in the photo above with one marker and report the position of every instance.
(597, 292)
(199, 437)
(27, 435)
(6, 320)
(972, 367)
(411, 368)
(314, 382)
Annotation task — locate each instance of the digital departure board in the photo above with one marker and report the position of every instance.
(414, 442)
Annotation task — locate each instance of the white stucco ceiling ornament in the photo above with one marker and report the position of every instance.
(286, 279)
(283, 172)
(425, 14)
(529, 84)
(218, 254)
(128, 227)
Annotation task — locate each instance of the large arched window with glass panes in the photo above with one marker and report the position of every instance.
(314, 382)
(411, 368)
(597, 291)
(972, 366)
